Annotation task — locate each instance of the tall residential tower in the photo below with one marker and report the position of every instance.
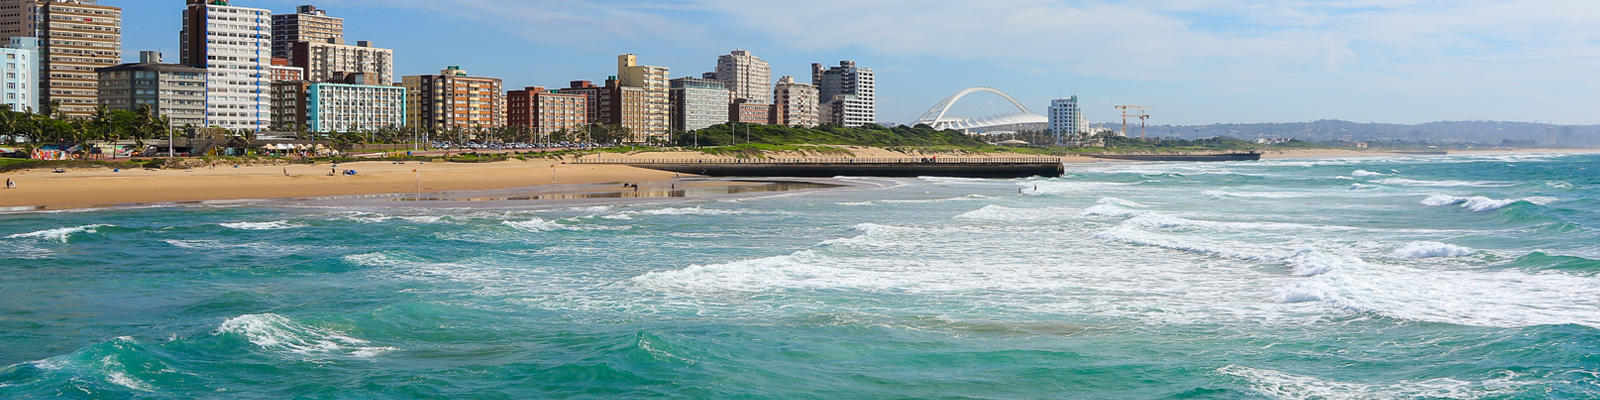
(847, 94)
(1066, 119)
(653, 81)
(233, 44)
(746, 76)
(307, 24)
(75, 37)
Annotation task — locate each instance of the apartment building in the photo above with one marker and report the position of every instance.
(175, 91)
(795, 103)
(452, 99)
(233, 45)
(543, 111)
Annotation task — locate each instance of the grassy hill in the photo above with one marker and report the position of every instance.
(869, 135)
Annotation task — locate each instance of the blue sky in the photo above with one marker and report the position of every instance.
(1195, 61)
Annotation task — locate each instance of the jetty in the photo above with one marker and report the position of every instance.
(873, 167)
(1251, 156)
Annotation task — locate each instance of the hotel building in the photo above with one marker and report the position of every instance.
(289, 106)
(331, 60)
(847, 91)
(175, 91)
(339, 107)
(282, 72)
(698, 103)
(19, 74)
(796, 103)
(75, 37)
(746, 76)
(544, 112)
(307, 24)
(233, 45)
(452, 99)
(1066, 119)
(652, 81)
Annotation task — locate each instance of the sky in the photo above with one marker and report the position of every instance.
(1193, 61)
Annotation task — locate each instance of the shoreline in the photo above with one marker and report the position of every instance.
(42, 190)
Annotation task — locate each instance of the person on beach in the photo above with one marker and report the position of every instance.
(10, 184)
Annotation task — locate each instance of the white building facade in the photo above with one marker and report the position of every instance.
(234, 45)
(848, 92)
(746, 76)
(19, 79)
(796, 103)
(336, 107)
(1066, 119)
(698, 104)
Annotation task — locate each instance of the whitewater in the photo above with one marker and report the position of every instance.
(1454, 277)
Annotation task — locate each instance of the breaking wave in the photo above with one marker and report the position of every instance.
(1481, 203)
(1282, 385)
(1444, 183)
(1431, 250)
(58, 234)
(280, 334)
(262, 226)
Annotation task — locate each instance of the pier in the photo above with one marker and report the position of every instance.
(875, 167)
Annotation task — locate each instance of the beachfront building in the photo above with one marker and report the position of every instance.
(74, 38)
(452, 99)
(698, 103)
(232, 44)
(306, 24)
(796, 103)
(746, 76)
(175, 91)
(652, 81)
(281, 71)
(746, 112)
(1066, 119)
(289, 106)
(19, 74)
(330, 60)
(543, 112)
(849, 93)
(339, 107)
(591, 98)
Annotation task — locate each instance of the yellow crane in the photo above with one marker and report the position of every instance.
(1142, 118)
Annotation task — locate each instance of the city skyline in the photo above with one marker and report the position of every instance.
(1404, 62)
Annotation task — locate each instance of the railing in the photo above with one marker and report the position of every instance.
(809, 161)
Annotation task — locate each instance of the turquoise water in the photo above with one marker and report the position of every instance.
(1432, 277)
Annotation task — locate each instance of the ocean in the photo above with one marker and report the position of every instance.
(1452, 277)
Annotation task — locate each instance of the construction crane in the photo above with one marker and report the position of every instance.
(1142, 118)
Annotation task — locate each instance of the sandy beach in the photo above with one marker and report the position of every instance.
(94, 187)
(84, 187)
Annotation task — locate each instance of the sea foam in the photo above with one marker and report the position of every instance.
(58, 234)
(1431, 250)
(1480, 203)
(278, 333)
(263, 226)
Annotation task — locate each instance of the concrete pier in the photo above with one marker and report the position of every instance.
(879, 167)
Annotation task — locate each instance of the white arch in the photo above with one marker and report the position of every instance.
(939, 110)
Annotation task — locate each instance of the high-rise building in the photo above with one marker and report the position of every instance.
(653, 81)
(75, 37)
(232, 44)
(858, 104)
(175, 91)
(339, 107)
(1066, 119)
(543, 112)
(307, 24)
(796, 103)
(289, 106)
(452, 99)
(746, 76)
(591, 97)
(331, 60)
(19, 84)
(698, 103)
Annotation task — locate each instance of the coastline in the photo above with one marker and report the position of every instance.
(40, 189)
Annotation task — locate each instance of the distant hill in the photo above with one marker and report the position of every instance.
(1446, 132)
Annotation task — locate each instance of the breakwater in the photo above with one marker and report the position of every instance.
(876, 167)
(1180, 157)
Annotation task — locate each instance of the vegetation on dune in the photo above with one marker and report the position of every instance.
(869, 135)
